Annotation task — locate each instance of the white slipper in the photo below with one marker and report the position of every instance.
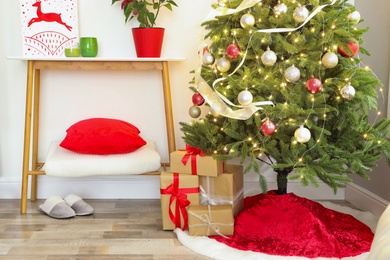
(56, 207)
(78, 205)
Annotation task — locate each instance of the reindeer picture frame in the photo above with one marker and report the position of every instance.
(48, 26)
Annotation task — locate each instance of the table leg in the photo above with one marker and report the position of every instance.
(27, 135)
(168, 107)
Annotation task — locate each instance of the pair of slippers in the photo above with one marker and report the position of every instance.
(72, 205)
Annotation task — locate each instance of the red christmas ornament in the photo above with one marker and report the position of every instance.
(313, 85)
(268, 127)
(197, 99)
(353, 49)
(233, 51)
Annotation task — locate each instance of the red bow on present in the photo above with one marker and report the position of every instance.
(192, 152)
(180, 195)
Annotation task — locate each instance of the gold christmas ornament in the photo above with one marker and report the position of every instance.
(223, 65)
(330, 60)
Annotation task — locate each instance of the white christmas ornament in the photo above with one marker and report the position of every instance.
(300, 14)
(245, 97)
(330, 60)
(280, 8)
(247, 21)
(302, 134)
(354, 17)
(223, 65)
(292, 74)
(208, 58)
(268, 58)
(348, 92)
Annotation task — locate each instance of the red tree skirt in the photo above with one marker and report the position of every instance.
(289, 225)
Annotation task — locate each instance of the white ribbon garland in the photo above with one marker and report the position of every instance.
(218, 102)
(207, 221)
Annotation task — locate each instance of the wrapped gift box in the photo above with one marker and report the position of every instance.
(227, 188)
(177, 191)
(209, 220)
(187, 162)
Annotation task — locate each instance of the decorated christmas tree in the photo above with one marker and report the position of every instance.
(286, 86)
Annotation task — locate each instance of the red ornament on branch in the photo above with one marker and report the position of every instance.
(313, 85)
(233, 51)
(353, 49)
(197, 99)
(268, 127)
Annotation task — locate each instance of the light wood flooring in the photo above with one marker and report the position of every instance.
(119, 229)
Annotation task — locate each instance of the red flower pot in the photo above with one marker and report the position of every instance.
(148, 41)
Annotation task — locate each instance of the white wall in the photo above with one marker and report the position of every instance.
(377, 42)
(71, 96)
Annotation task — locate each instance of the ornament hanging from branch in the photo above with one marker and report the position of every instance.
(247, 21)
(268, 127)
(223, 65)
(197, 99)
(194, 111)
(245, 97)
(292, 74)
(280, 8)
(347, 92)
(313, 85)
(300, 14)
(268, 58)
(233, 51)
(353, 49)
(208, 58)
(330, 60)
(302, 134)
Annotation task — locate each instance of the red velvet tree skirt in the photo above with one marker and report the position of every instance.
(289, 225)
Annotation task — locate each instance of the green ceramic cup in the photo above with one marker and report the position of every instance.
(88, 46)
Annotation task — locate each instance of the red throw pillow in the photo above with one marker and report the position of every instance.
(102, 136)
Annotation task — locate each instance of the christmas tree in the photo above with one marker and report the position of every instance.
(286, 86)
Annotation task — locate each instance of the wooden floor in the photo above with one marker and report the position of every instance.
(119, 229)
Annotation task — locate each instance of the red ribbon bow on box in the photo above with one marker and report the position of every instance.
(192, 152)
(180, 195)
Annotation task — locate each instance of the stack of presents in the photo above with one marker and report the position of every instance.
(201, 194)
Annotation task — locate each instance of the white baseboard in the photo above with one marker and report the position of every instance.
(365, 199)
(139, 187)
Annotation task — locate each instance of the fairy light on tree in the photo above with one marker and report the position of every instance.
(285, 80)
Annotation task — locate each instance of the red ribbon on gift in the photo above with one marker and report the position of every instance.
(192, 152)
(180, 195)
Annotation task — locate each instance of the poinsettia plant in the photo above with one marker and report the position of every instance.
(146, 11)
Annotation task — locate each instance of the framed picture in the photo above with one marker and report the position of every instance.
(48, 26)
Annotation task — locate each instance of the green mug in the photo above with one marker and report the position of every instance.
(88, 46)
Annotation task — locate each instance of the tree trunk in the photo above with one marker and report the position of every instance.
(282, 180)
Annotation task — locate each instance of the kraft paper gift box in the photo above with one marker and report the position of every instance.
(193, 161)
(227, 188)
(210, 220)
(178, 191)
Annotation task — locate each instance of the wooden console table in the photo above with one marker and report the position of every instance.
(31, 166)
